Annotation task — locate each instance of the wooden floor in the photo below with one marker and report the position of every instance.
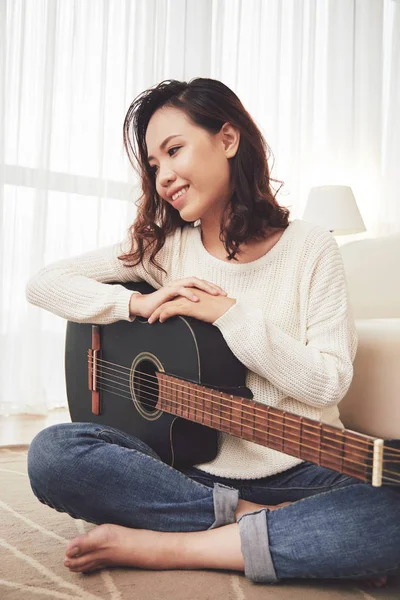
(21, 429)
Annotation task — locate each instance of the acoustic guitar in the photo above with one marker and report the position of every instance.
(176, 385)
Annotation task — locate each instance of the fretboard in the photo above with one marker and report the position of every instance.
(342, 450)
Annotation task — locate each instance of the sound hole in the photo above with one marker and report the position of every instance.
(145, 386)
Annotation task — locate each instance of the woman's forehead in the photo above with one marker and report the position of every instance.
(164, 124)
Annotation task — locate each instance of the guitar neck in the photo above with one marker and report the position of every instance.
(341, 450)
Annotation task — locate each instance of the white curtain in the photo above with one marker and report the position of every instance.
(320, 77)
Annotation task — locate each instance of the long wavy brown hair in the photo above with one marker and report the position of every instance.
(252, 212)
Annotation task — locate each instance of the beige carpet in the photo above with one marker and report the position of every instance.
(33, 538)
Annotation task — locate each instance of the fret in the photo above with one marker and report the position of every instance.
(261, 425)
(200, 404)
(247, 421)
(208, 408)
(185, 406)
(224, 410)
(332, 448)
(267, 434)
(175, 406)
(292, 434)
(301, 438)
(192, 405)
(231, 413)
(357, 458)
(276, 430)
(235, 425)
(309, 450)
(171, 397)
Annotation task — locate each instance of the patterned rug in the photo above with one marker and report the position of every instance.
(33, 538)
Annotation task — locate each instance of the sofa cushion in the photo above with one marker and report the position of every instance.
(372, 404)
(372, 269)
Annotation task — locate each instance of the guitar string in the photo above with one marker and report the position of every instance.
(321, 452)
(250, 423)
(287, 417)
(361, 442)
(388, 453)
(326, 438)
(295, 441)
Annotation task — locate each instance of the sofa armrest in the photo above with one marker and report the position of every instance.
(372, 404)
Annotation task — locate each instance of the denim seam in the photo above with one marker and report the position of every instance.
(324, 493)
(286, 488)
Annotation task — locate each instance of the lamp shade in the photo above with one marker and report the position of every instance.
(335, 208)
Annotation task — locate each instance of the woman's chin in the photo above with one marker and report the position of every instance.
(188, 215)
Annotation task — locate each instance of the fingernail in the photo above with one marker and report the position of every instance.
(75, 551)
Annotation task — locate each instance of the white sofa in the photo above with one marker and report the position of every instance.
(372, 404)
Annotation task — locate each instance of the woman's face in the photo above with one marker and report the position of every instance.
(194, 158)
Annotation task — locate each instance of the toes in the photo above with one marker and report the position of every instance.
(85, 566)
(78, 563)
(74, 547)
(87, 542)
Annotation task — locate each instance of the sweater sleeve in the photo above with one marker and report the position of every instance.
(319, 371)
(78, 288)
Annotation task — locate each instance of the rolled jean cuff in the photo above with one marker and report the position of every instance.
(258, 565)
(225, 503)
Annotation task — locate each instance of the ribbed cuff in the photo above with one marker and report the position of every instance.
(122, 301)
(225, 503)
(238, 314)
(258, 565)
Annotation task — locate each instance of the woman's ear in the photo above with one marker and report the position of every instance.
(230, 137)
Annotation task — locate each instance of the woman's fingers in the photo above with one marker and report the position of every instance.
(188, 293)
(201, 284)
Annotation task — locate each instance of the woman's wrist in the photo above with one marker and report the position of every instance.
(134, 305)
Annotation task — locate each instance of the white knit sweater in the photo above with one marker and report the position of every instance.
(291, 326)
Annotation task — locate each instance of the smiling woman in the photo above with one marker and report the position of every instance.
(198, 134)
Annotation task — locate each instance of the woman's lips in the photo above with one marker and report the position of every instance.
(180, 200)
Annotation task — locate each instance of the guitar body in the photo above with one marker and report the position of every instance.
(131, 353)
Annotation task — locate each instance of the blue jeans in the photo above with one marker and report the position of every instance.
(337, 527)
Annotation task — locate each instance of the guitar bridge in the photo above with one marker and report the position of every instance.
(93, 369)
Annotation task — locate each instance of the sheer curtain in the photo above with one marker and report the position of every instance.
(320, 78)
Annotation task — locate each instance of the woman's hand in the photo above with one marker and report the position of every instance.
(208, 308)
(145, 305)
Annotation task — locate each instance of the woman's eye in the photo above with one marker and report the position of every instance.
(174, 148)
(154, 168)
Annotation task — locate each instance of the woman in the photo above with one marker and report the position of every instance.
(212, 239)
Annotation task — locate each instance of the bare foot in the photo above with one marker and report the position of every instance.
(112, 545)
(244, 507)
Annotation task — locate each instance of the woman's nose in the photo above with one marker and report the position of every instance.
(165, 177)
